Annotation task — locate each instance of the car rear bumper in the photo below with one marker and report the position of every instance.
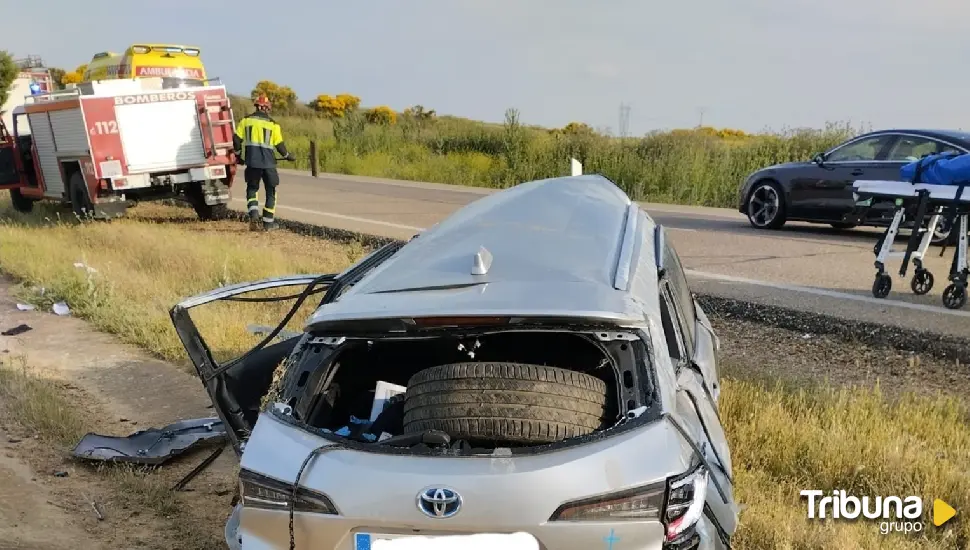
(249, 529)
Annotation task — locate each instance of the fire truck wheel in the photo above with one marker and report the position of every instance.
(20, 202)
(212, 212)
(80, 199)
(206, 212)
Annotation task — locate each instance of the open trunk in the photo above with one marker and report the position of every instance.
(468, 391)
(460, 385)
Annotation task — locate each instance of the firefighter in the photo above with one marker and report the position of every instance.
(256, 140)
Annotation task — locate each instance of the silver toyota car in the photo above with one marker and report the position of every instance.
(531, 373)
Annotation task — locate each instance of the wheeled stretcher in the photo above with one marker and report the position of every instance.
(939, 202)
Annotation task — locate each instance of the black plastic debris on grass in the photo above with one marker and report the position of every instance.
(19, 329)
(152, 446)
(940, 346)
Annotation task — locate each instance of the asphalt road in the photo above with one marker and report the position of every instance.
(803, 266)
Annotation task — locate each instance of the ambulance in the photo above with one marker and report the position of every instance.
(176, 64)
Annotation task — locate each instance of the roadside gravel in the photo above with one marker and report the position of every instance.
(752, 350)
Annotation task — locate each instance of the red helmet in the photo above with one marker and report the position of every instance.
(262, 102)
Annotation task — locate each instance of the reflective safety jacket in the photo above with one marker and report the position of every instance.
(257, 136)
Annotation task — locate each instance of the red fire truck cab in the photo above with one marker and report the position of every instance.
(104, 144)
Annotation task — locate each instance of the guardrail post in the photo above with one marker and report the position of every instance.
(313, 158)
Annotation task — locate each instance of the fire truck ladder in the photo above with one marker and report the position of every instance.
(220, 105)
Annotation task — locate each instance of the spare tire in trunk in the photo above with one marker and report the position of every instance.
(508, 402)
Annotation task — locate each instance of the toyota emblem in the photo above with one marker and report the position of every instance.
(439, 502)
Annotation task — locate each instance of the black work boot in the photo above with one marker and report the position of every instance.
(270, 226)
(254, 221)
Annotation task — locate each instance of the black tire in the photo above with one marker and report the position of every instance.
(882, 285)
(844, 225)
(507, 402)
(922, 282)
(955, 296)
(206, 212)
(213, 212)
(765, 205)
(80, 197)
(20, 202)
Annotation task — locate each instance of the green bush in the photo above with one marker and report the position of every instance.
(703, 166)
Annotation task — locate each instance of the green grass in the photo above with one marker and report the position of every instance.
(697, 167)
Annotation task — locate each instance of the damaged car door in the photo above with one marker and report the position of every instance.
(237, 378)
(237, 381)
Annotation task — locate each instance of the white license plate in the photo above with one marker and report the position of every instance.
(484, 541)
(216, 199)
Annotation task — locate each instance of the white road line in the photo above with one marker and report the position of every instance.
(828, 293)
(343, 217)
(379, 222)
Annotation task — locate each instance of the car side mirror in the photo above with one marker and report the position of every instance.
(818, 159)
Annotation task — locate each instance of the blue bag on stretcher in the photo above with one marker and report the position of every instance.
(939, 169)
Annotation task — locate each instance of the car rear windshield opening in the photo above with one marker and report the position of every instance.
(504, 389)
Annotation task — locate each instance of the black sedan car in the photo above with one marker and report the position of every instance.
(820, 190)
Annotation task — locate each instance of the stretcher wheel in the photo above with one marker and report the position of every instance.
(882, 285)
(955, 296)
(922, 282)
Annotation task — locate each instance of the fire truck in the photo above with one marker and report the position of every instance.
(99, 146)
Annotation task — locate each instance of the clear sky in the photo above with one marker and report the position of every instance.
(748, 64)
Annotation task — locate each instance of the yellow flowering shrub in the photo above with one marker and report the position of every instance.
(382, 115)
(335, 106)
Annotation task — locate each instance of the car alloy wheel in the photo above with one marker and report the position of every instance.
(942, 232)
(764, 205)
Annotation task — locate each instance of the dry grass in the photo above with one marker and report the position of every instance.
(39, 403)
(149, 262)
(851, 439)
(783, 440)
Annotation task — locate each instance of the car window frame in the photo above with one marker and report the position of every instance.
(672, 326)
(664, 256)
(881, 154)
(941, 146)
(687, 322)
(896, 136)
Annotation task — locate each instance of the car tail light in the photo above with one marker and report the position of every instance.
(678, 503)
(266, 493)
(685, 505)
(643, 503)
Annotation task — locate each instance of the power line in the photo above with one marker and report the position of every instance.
(624, 120)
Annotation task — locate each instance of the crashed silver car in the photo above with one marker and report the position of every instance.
(533, 372)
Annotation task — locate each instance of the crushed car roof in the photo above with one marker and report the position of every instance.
(562, 247)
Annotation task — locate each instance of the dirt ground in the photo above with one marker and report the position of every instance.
(118, 389)
(50, 499)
